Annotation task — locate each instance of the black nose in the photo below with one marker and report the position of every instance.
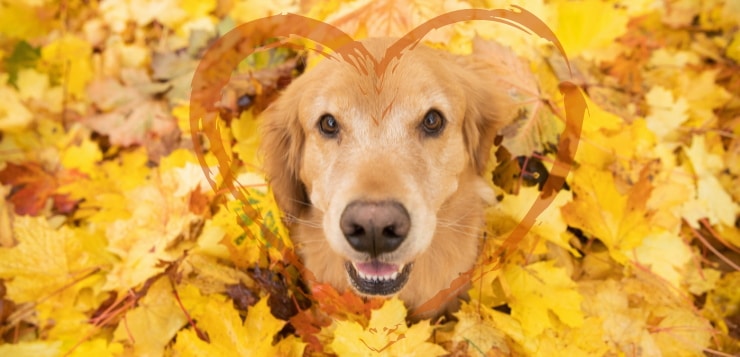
(375, 227)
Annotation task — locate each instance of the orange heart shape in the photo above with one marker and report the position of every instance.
(222, 57)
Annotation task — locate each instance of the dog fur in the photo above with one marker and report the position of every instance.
(381, 154)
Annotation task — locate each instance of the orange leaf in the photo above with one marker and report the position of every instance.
(33, 187)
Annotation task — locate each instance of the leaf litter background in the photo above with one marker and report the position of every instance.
(112, 242)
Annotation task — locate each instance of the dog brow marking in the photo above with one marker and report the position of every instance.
(384, 113)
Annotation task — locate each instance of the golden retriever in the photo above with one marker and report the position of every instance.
(380, 176)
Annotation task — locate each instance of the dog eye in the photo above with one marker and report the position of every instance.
(328, 125)
(433, 123)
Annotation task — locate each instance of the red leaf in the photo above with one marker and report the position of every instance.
(32, 187)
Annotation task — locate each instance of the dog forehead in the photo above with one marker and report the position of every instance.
(411, 84)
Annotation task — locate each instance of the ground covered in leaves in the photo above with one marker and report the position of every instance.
(113, 242)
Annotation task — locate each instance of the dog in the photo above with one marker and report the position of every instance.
(381, 175)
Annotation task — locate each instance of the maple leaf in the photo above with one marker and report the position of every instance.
(661, 323)
(32, 349)
(601, 211)
(34, 188)
(477, 328)
(666, 113)
(69, 59)
(385, 335)
(39, 263)
(533, 126)
(537, 289)
(157, 311)
(103, 194)
(550, 226)
(130, 113)
(14, 115)
(666, 255)
(25, 20)
(710, 199)
(161, 217)
(228, 335)
(588, 26)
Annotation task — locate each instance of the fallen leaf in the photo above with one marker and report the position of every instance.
(385, 335)
(538, 289)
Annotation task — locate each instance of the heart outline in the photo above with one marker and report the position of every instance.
(221, 58)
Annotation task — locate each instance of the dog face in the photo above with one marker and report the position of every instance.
(380, 173)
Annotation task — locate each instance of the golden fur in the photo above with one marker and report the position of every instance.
(381, 154)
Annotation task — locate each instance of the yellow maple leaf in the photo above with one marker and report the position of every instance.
(20, 19)
(156, 311)
(733, 50)
(103, 195)
(666, 254)
(588, 26)
(386, 335)
(228, 335)
(478, 329)
(245, 131)
(620, 221)
(161, 217)
(14, 115)
(39, 263)
(83, 157)
(704, 95)
(69, 58)
(666, 113)
(98, 347)
(34, 85)
(245, 11)
(538, 289)
(724, 300)
(599, 119)
(550, 226)
(624, 326)
(31, 349)
(710, 199)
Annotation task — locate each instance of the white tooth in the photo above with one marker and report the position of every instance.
(394, 275)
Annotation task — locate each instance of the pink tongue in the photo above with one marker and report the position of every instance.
(376, 268)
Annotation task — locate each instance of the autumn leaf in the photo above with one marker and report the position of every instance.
(228, 335)
(39, 263)
(385, 335)
(589, 25)
(31, 349)
(538, 289)
(130, 113)
(619, 220)
(157, 311)
(534, 125)
(34, 188)
(14, 115)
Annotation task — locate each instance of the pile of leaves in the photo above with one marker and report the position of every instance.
(114, 242)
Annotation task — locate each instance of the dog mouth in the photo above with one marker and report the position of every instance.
(378, 278)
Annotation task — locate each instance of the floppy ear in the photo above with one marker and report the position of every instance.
(485, 108)
(282, 147)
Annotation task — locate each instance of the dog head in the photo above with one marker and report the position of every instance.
(368, 163)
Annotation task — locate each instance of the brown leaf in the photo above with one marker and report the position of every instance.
(33, 186)
(130, 112)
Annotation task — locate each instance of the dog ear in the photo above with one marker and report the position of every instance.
(485, 110)
(282, 148)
